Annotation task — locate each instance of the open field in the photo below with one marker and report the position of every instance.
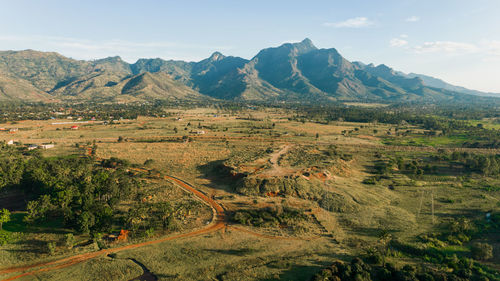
(293, 195)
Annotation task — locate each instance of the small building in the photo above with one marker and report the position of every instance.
(74, 127)
(13, 130)
(3, 129)
(198, 132)
(32, 147)
(11, 142)
(47, 146)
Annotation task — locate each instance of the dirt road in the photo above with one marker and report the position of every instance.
(217, 223)
(276, 169)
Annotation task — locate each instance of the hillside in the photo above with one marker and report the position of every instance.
(292, 72)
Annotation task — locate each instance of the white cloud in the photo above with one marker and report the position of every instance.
(412, 19)
(358, 22)
(92, 49)
(403, 36)
(448, 47)
(396, 42)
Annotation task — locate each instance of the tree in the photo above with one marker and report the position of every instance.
(85, 221)
(4, 217)
(482, 251)
(384, 239)
(51, 248)
(69, 240)
(120, 139)
(317, 135)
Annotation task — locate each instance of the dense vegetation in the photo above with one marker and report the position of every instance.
(284, 217)
(72, 189)
(357, 270)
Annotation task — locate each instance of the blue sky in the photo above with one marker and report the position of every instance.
(456, 40)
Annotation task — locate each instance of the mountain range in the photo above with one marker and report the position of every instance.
(292, 72)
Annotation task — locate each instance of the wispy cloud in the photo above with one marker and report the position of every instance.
(358, 22)
(488, 49)
(413, 19)
(397, 42)
(91, 49)
(448, 47)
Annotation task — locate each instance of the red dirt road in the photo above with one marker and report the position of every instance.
(217, 223)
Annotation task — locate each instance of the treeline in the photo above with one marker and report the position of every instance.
(488, 165)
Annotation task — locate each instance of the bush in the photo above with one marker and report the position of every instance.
(481, 251)
(51, 248)
(69, 240)
(371, 180)
(5, 237)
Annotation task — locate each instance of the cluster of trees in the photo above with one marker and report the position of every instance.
(358, 270)
(280, 216)
(75, 190)
(72, 189)
(483, 164)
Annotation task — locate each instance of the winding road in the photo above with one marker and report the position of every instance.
(216, 224)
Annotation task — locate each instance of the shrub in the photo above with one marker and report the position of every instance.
(371, 180)
(51, 248)
(481, 251)
(69, 240)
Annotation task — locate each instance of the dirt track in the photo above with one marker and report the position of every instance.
(217, 223)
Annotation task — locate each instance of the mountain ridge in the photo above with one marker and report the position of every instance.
(294, 72)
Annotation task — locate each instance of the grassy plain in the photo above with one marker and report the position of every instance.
(192, 143)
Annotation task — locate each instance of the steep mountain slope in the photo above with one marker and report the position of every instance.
(438, 83)
(292, 72)
(43, 70)
(301, 72)
(97, 85)
(157, 86)
(15, 89)
(419, 80)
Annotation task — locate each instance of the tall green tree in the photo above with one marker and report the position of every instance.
(4, 217)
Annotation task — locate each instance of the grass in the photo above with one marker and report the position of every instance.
(405, 210)
(440, 141)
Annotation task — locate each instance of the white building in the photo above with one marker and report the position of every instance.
(47, 146)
